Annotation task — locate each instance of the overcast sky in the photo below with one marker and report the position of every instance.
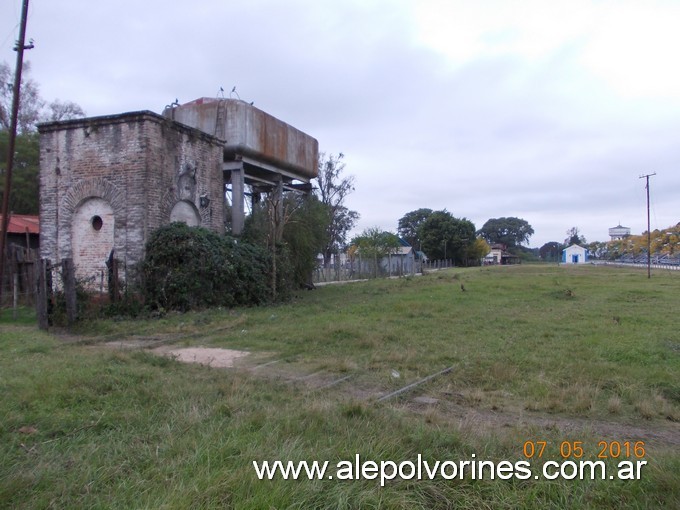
(544, 110)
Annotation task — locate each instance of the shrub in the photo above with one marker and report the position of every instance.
(193, 267)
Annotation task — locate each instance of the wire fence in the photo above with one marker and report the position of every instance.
(386, 268)
(666, 267)
(18, 285)
(53, 289)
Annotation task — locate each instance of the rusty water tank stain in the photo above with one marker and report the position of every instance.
(250, 132)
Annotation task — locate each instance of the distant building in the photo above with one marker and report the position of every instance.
(495, 255)
(23, 230)
(574, 254)
(499, 255)
(401, 262)
(619, 232)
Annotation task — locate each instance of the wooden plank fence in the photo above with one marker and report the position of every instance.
(361, 270)
(18, 285)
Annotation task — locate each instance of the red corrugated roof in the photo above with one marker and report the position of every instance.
(20, 223)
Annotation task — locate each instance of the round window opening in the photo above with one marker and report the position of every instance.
(97, 223)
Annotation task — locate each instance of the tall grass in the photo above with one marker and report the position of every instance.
(539, 353)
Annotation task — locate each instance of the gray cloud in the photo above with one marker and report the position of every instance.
(540, 137)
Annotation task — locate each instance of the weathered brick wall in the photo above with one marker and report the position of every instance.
(92, 238)
(130, 170)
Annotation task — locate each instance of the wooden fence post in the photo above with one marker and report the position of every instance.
(41, 293)
(116, 283)
(15, 296)
(69, 277)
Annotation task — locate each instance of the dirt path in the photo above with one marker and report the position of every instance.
(655, 433)
(449, 407)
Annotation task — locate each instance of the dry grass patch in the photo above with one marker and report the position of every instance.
(614, 404)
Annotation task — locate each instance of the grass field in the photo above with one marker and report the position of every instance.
(572, 357)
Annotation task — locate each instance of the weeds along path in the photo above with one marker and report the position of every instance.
(454, 409)
(435, 399)
(437, 402)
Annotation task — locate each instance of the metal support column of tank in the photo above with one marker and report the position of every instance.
(278, 201)
(237, 199)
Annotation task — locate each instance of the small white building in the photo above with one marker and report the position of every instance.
(574, 254)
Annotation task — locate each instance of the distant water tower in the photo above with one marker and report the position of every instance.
(619, 232)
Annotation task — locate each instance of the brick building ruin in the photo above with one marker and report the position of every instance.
(107, 182)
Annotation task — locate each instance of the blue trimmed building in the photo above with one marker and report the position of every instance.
(574, 254)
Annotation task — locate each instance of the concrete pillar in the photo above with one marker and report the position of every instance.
(237, 199)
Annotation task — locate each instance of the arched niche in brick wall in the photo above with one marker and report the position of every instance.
(92, 239)
(82, 191)
(185, 212)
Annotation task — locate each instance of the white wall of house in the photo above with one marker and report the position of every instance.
(574, 254)
(494, 256)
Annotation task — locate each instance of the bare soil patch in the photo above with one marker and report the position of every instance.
(208, 356)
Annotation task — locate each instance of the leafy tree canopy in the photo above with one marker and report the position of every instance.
(409, 224)
(24, 197)
(508, 231)
(304, 235)
(551, 251)
(663, 242)
(597, 249)
(376, 243)
(476, 252)
(445, 237)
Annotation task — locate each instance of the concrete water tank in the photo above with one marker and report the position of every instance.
(250, 133)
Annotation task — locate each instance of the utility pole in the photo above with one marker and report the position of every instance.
(649, 231)
(19, 48)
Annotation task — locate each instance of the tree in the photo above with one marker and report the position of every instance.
(550, 252)
(332, 192)
(378, 243)
(409, 224)
(446, 237)
(508, 231)
(574, 237)
(665, 242)
(477, 251)
(302, 229)
(597, 249)
(31, 104)
(67, 110)
(304, 237)
(375, 244)
(32, 108)
(24, 197)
